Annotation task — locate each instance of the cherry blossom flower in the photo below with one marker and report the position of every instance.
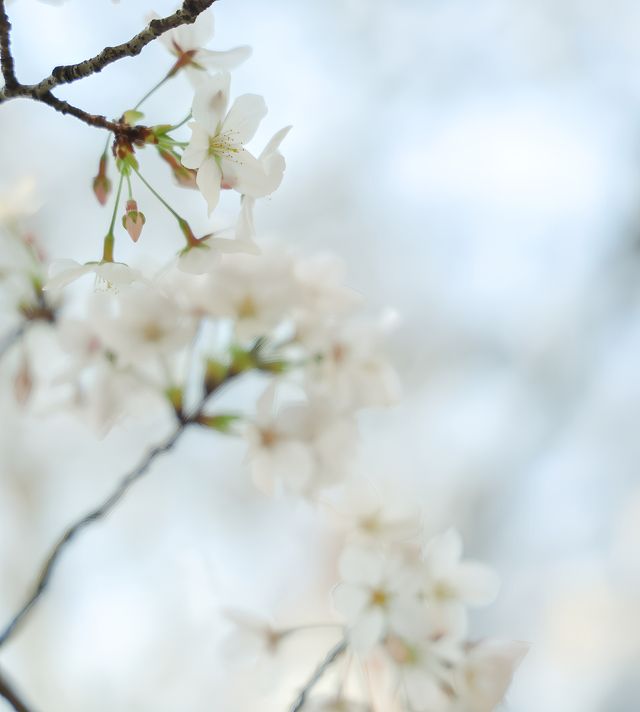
(187, 43)
(423, 669)
(216, 149)
(451, 583)
(374, 519)
(302, 447)
(111, 274)
(251, 639)
(255, 292)
(351, 367)
(378, 596)
(144, 324)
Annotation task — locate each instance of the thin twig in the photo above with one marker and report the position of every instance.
(94, 515)
(9, 693)
(12, 337)
(329, 659)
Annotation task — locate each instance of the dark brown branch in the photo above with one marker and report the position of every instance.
(9, 693)
(330, 658)
(6, 58)
(132, 133)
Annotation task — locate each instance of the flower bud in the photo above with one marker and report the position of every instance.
(133, 220)
(186, 177)
(101, 184)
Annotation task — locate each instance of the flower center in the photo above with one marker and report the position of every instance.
(247, 308)
(153, 332)
(379, 597)
(223, 145)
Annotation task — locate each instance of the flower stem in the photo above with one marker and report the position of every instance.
(191, 239)
(107, 249)
(182, 123)
(151, 91)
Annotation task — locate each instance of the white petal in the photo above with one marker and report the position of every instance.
(196, 152)
(443, 552)
(228, 59)
(63, 272)
(245, 227)
(274, 143)
(244, 117)
(361, 565)
(208, 180)
(368, 630)
(349, 600)
(477, 584)
(244, 173)
(211, 99)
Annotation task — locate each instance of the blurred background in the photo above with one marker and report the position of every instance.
(477, 166)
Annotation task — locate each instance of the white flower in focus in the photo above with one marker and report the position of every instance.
(378, 596)
(273, 164)
(187, 44)
(111, 274)
(216, 149)
(451, 583)
(143, 325)
(351, 367)
(302, 447)
(482, 681)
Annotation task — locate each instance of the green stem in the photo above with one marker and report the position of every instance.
(182, 123)
(191, 239)
(130, 192)
(152, 90)
(107, 250)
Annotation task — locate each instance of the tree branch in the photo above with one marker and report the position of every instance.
(330, 658)
(65, 74)
(94, 515)
(6, 58)
(8, 692)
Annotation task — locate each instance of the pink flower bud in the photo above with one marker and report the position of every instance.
(133, 220)
(101, 184)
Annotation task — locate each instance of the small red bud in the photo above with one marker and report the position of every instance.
(133, 220)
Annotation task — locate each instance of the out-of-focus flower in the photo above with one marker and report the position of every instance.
(216, 149)
(372, 518)
(350, 366)
(451, 583)
(256, 292)
(144, 325)
(251, 640)
(302, 447)
(482, 680)
(378, 596)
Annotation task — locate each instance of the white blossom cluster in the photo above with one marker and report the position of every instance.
(226, 308)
